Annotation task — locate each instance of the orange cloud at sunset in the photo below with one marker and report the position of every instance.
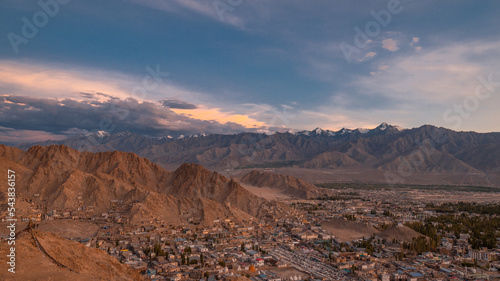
(52, 82)
(216, 114)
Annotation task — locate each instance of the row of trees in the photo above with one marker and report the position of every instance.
(421, 244)
(483, 209)
(482, 229)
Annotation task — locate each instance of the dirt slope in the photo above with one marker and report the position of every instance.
(85, 263)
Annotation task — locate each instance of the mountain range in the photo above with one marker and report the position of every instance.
(61, 178)
(376, 155)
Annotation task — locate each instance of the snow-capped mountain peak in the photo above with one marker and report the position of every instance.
(383, 126)
(99, 134)
(318, 131)
(363, 130)
(344, 131)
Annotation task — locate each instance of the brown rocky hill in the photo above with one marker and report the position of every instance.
(345, 230)
(194, 181)
(82, 263)
(399, 233)
(66, 179)
(285, 184)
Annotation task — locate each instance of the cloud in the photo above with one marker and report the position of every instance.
(95, 96)
(205, 8)
(45, 80)
(324, 118)
(436, 75)
(433, 81)
(370, 55)
(410, 89)
(215, 114)
(75, 132)
(12, 136)
(177, 104)
(22, 117)
(414, 42)
(33, 78)
(380, 69)
(390, 44)
(278, 118)
(79, 99)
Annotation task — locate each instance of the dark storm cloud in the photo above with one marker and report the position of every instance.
(68, 116)
(177, 104)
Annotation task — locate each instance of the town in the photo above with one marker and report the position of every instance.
(356, 234)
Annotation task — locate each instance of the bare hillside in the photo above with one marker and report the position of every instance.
(82, 263)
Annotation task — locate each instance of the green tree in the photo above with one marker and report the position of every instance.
(147, 250)
(158, 250)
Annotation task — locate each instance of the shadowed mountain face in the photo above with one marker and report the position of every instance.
(426, 150)
(62, 178)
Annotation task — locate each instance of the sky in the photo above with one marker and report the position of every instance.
(182, 67)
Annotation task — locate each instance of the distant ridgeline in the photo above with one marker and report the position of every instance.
(423, 150)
